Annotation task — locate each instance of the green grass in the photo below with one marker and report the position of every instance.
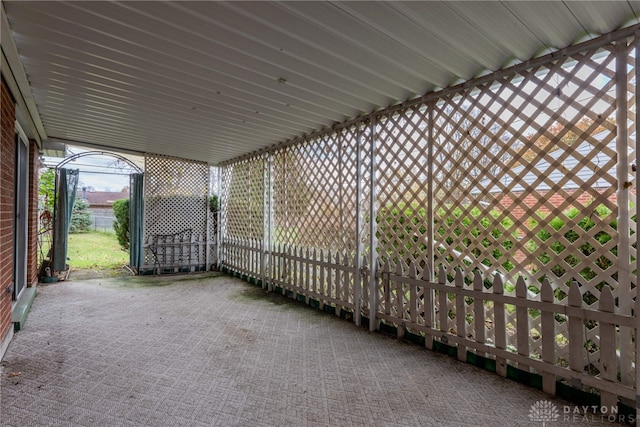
(95, 249)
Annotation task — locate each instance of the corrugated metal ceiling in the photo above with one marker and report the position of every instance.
(215, 80)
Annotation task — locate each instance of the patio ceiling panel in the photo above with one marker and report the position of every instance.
(216, 80)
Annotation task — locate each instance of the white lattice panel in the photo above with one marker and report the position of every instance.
(175, 193)
(243, 199)
(402, 187)
(528, 175)
(314, 192)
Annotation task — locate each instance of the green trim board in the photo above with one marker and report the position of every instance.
(22, 307)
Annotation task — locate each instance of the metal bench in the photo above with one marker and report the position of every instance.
(172, 252)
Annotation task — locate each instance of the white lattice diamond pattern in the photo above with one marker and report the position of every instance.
(314, 193)
(243, 200)
(402, 187)
(523, 181)
(175, 193)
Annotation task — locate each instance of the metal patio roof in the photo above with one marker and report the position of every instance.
(215, 80)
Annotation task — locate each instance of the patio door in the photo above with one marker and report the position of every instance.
(21, 211)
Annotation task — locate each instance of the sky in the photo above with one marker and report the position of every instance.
(97, 170)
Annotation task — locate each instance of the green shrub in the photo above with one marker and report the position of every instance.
(121, 223)
(214, 204)
(479, 231)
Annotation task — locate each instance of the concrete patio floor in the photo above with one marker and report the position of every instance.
(215, 351)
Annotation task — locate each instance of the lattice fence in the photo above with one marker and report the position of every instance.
(487, 217)
(176, 199)
(243, 216)
(214, 212)
(314, 192)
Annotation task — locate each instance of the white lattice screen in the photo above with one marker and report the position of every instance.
(314, 193)
(175, 199)
(525, 180)
(526, 176)
(243, 215)
(243, 200)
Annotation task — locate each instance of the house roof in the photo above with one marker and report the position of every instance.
(214, 80)
(103, 198)
(571, 167)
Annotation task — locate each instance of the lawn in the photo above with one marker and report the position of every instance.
(95, 249)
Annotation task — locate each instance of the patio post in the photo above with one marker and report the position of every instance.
(207, 227)
(357, 294)
(267, 241)
(430, 210)
(624, 238)
(373, 293)
(219, 222)
(636, 43)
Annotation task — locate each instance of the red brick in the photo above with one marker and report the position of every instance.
(7, 155)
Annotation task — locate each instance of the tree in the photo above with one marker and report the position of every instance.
(121, 223)
(81, 217)
(46, 188)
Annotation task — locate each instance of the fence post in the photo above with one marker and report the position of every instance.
(522, 321)
(576, 335)
(428, 307)
(608, 349)
(307, 275)
(413, 294)
(337, 281)
(500, 325)
(548, 338)
(314, 274)
(399, 288)
(322, 282)
(386, 285)
(443, 306)
(295, 280)
(478, 310)
(365, 289)
(461, 321)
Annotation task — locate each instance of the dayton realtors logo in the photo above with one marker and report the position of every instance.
(545, 411)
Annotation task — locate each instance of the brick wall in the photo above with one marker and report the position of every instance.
(32, 248)
(7, 167)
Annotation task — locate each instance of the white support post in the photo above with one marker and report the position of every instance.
(430, 210)
(265, 219)
(373, 293)
(636, 42)
(207, 246)
(357, 297)
(267, 246)
(624, 238)
(219, 231)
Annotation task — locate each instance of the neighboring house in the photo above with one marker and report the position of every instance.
(530, 185)
(101, 206)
